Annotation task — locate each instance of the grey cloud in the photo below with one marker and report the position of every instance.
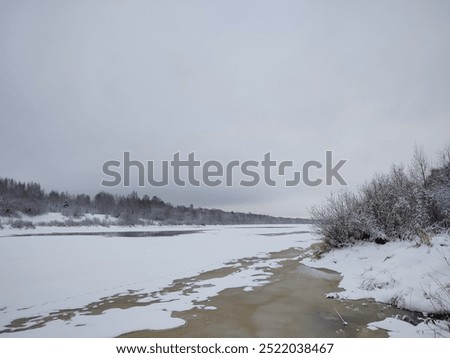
(82, 82)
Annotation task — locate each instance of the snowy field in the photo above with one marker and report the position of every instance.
(46, 274)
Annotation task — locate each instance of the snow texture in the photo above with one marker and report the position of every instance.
(400, 273)
(44, 274)
(398, 328)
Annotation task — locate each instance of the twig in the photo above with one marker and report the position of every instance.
(343, 321)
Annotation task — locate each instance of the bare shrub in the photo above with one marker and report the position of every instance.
(21, 224)
(396, 205)
(340, 221)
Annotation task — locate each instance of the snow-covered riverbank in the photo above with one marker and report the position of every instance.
(404, 274)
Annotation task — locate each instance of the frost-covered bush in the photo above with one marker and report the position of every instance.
(440, 210)
(129, 220)
(391, 206)
(341, 220)
(76, 223)
(21, 224)
(396, 204)
(438, 185)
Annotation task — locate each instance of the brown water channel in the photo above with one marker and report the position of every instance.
(293, 304)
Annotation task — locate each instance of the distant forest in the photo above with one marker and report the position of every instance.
(30, 199)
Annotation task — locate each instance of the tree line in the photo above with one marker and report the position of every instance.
(31, 199)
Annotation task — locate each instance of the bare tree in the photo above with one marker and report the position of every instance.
(419, 168)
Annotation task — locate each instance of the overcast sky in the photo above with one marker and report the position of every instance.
(83, 81)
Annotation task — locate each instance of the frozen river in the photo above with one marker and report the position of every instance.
(66, 283)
